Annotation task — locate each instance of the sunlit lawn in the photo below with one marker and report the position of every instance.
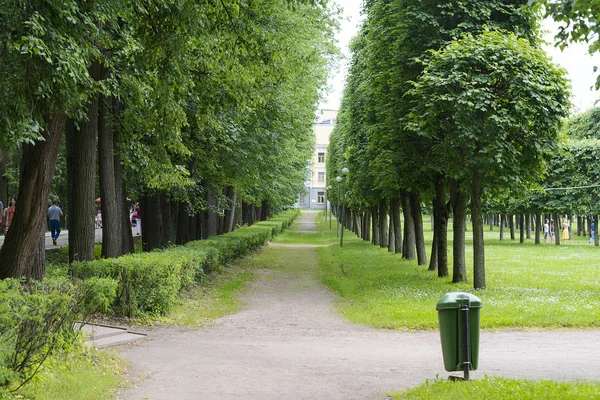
(501, 388)
(528, 286)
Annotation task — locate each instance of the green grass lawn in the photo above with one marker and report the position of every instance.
(92, 375)
(501, 388)
(528, 286)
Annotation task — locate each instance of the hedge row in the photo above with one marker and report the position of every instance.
(149, 283)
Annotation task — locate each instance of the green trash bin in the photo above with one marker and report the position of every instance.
(451, 329)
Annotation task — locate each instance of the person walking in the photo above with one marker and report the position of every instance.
(546, 231)
(54, 213)
(592, 233)
(9, 213)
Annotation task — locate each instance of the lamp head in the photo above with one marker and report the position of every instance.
(345, 171)
(338, 179)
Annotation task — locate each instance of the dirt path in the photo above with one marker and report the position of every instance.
(288, 342)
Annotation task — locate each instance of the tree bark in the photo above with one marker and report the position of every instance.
(167, 219)
(502, 223)
(391, 234)
(183, 224)
(557, 229)
(458, 199)
(441, 226)
(152, 222)
(81, 177)
(375, 223)
(478, 242)
(433, 260)
(383, 224)
(409, 243)
(111, 224)
(395, 217)
(511, 225)
(23, 254)
(521, 228)
(596, 241)
(230, 213)
(415, 207)
(538, 227)
(212, 220)
(121, 192)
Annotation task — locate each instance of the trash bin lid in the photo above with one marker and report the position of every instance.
(454, 300)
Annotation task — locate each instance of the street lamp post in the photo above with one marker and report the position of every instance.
(329, 190)
(344, 173)
(338, 179)
(325, 204)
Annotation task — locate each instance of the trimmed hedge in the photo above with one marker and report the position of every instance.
(148, 284)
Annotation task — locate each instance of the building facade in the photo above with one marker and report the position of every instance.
(315, 196)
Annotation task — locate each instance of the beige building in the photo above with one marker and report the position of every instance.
(315, 195)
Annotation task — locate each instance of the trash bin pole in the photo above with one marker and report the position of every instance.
(466, 340)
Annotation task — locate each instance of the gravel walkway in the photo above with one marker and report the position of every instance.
(289, 342)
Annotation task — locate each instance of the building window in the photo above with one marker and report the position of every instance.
(321, 197)
(321, 177)
(321, 157)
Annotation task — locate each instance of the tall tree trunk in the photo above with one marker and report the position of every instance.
(502, 223)
(383, 224)
(375, 224)
(392, 233)
(111, 224)
(528, 226)
(415, 207)
(23, 254)
(433, 260)
(152, 222)
(579, 225)
(230, 213)
(81, 178)
(167, 219)
(596, 242)
(521, 228)
(121, 191)
(511, 225)
(395, 217)
(538, 227)
(458, 199)
(409, 243)
(478, 242)
(212, 220)
(441, 227)
(183, 224)
(557, 229)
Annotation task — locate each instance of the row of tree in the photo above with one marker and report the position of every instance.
(446, 104)
(197, 108)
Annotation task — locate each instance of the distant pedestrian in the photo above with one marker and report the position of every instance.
(99, 220)
(546, 231)
(565, 232)
(552, 230)
(592, 233)
(54, 213)
(9, 213)
(138, 219)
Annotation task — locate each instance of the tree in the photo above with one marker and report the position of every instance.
(36, 98)
(492, 105)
